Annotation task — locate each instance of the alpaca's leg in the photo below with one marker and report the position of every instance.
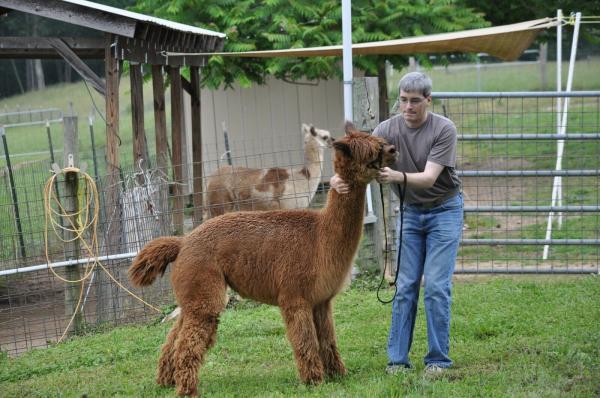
(332, 361)
(166, 365)
(200, 310)
(303, 337)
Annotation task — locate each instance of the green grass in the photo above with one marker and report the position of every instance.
(525, 337)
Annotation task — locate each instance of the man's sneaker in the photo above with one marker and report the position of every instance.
(396, 369)
(433, 370)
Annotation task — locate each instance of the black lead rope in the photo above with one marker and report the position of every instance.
(402, 192)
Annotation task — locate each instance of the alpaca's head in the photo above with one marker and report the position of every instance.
(321, 137)
(359, 156)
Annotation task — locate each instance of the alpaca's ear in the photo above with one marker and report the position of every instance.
(343, 147)
(349, 127)
(305, 128)
(313, 131)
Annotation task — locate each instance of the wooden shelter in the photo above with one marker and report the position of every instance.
(138, 39)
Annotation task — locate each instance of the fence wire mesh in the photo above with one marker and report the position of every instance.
(507, 158)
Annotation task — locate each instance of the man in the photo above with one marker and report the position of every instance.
(433, 221)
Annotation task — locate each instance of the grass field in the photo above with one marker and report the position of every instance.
(510, 77)
(518, 337)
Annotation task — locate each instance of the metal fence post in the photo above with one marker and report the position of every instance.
(13, 191)
(94, 158)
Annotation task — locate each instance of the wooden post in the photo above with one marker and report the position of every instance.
(176, 142)
(365, 95)
(106, 300)
(140, 148)
(196, 145)
(160, 120)
(112, 151)
(162, 148)
(71, 206)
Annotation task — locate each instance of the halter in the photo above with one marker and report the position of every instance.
(377, 163)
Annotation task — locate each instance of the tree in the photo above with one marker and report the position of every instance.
(280, 24)
(501, 13)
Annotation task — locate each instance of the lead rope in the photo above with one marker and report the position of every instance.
(402, 193)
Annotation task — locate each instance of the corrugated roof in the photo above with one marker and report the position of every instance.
(145, 18)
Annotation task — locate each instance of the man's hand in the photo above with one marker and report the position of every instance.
(339, 185)
(387, 175)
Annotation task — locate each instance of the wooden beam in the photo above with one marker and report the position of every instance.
(140, 147)
(160, 119)
(162, 146)
(71, 208)
(152, 53)
(107, 304)
(112, 138)
(187, 85)
(176, 143)
(365, 97)
(76, 14)
(41, 47)
(196, 146)
(80, 67)
(143, 51)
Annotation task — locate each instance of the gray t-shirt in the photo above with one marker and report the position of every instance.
(435, 141)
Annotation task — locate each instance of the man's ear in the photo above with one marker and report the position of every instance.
(343, 147)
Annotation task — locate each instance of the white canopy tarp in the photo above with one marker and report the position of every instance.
(506, 42)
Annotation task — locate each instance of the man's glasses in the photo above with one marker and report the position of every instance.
(413, 101)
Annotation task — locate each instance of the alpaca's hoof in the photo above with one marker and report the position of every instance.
(187, 392)
(313, 378)
(338, 370)
(165, 381)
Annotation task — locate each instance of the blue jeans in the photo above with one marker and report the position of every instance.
(429, 248)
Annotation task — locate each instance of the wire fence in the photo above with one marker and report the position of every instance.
(507, 158)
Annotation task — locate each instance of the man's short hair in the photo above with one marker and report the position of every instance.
(415, 82)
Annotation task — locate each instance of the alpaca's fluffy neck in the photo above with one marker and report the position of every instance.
(342, 225)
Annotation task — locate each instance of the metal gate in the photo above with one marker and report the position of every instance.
(530, 165)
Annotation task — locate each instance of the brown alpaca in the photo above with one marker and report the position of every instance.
(241, 188)
(295, 259)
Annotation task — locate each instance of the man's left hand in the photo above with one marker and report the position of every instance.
(387, 175)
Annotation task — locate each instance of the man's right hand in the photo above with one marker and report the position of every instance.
(339, 185)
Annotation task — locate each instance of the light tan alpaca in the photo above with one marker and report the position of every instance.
(241, 188)
(295, 259)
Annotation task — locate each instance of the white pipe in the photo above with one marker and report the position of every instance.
(59, 264)
(347, 58)
(557, 186)
(347, 63)
(369, 201)
(559, 16)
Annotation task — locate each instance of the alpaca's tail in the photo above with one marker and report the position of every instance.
(152, 261)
